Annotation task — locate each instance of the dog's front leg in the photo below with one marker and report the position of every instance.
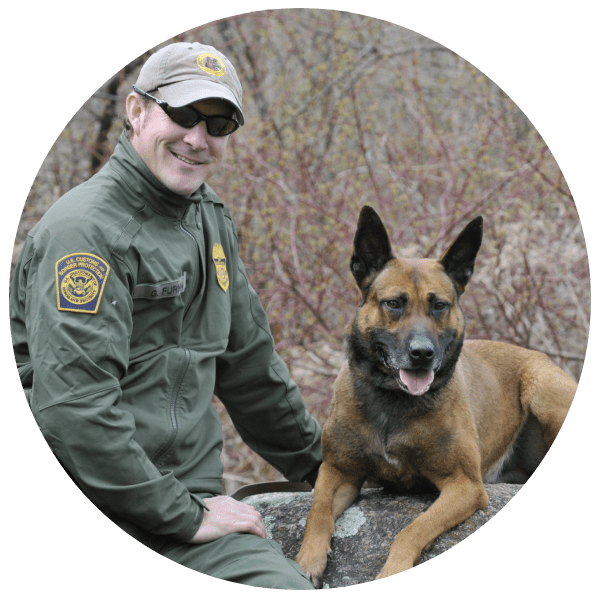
(458, 500)
(334, 493)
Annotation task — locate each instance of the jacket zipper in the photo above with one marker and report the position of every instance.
(199, 262)
(173, 405)
(184, 366)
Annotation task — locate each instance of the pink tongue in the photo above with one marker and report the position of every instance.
(417, 382)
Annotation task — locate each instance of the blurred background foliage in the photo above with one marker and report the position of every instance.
(341, 111)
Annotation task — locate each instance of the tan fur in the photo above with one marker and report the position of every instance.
(497, 393)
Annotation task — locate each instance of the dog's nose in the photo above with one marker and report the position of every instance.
(421, 349)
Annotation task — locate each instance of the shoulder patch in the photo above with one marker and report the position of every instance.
(80, 280)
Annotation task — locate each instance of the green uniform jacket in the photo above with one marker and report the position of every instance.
(129, 308)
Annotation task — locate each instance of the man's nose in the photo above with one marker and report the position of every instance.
(197, 136)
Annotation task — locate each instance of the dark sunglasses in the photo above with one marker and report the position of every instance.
(188, 117)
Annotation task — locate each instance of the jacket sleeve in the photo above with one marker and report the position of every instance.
(254, 385)
(77, 360)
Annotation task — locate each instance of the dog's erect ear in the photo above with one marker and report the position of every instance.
(372, 247)
(459, 259)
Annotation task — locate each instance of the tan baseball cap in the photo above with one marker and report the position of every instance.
(187, 72)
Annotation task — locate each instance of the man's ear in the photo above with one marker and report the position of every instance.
(135, 109)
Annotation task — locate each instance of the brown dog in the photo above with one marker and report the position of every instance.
(415, 408)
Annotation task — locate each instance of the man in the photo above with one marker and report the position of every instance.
(130, 308)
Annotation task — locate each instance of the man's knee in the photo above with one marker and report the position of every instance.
(242, 558)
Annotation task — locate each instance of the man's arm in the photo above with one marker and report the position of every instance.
(254, 384)
(78, 360)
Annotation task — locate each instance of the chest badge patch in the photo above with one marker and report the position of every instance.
(80, 281)
(218, 256)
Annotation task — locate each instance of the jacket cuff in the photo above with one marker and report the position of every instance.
(188, 532)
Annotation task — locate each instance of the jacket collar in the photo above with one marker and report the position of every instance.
(134, 172)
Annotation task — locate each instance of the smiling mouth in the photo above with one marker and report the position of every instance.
(187, 161)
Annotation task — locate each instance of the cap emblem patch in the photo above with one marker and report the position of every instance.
(218, 256)
(80, 281)
(210, 63)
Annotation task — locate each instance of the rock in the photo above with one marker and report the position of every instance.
(364, 533)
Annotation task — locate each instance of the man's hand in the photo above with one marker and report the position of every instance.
(225, 516)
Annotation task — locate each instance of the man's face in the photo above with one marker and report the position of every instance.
(181, 159)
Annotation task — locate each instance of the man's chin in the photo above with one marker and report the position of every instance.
(184, 188)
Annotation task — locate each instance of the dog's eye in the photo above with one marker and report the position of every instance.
(396, 305)
(393, 304)
(440, 306)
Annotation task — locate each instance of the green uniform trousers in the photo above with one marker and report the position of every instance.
(239, 557)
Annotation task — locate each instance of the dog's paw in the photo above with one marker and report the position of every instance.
(313, 567)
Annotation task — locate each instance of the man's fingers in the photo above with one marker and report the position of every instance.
(255, 527)
(225, 507)
(250, 520)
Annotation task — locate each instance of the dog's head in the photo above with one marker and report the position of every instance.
(409, 325)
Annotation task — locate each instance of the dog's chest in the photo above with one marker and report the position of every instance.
(392, 459)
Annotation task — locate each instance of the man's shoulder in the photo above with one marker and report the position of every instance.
(85, 219)
(94, 204)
